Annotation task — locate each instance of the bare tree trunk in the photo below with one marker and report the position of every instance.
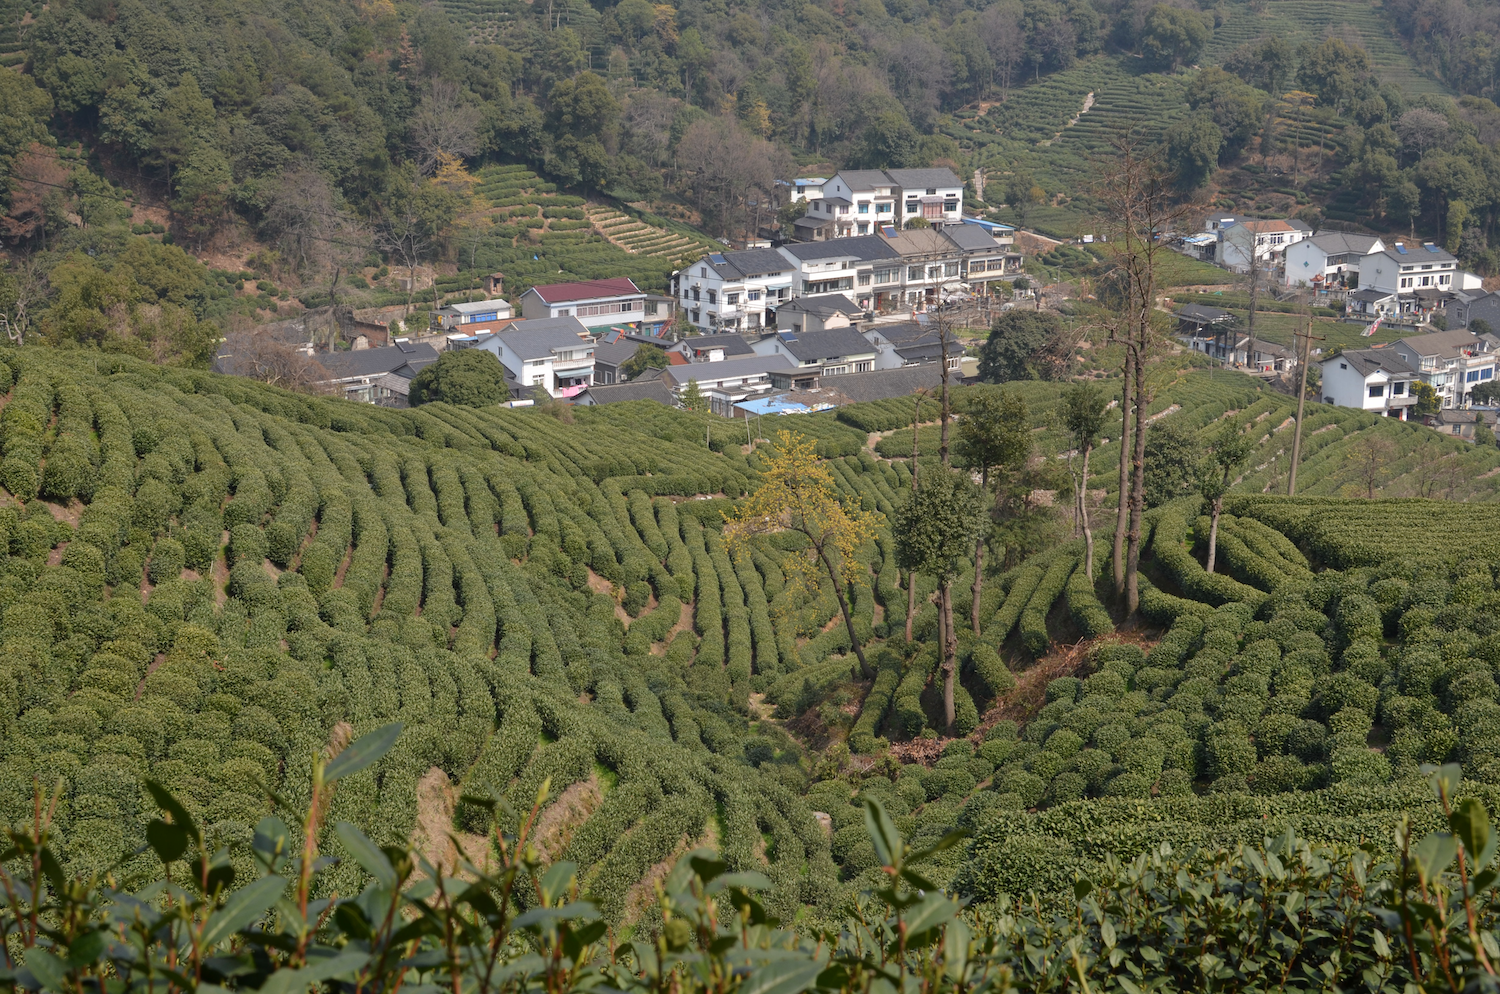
(1137, 493)
(911, 577)
(1122, 515)
(950, 653)
(984, 487)
(1213, 531)
(838, 590)
(1083, 517)
(943, 339)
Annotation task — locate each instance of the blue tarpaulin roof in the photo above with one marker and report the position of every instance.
(772, 405)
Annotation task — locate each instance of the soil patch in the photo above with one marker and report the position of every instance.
(556, 824)
(434, 835)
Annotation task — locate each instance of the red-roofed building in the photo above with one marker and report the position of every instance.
(595, 303)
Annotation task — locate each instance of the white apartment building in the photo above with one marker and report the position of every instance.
(1451, 362)
(1268, 240)
(876, 197)
(734, 290)
(857, 267)
(556, 354)
(1404, 269)
(1329, 258)
(1376, 380)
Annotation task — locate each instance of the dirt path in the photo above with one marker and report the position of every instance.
(1088, 102)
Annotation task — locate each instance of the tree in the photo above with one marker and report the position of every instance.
(1174, 36)
(1192, 149)
(1428, 401)
(1422, 129)
(1021, 193)
(934, 529)
(1083, 415)
(1370, 456)
(1484, 394)
(692, 398)
(581, 113)
(797, 493)
(1231, 447)
(254, 353)
(1333, 71)
(646, 357)
(444, 123)
(1137, 203)
(1025, 345)
(890, 142)
(1483, 434)
(1170, 455)
(995, 432)
(467, 377)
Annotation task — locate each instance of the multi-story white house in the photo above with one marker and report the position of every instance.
(595, 303)
(989, 253)
(1404, 269)
(454, 316)
(1375, 380)
(734, 290)
(1451, 362)
(556, 354)
(1266, 239)
(931, 263)
(1328, 259)
(859, 267)
(886, 196)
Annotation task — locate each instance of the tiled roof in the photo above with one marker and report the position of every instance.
(822, 305)
(923, 179)
(971, 238)
(729, 369)
(749, 262)
(373, 362)
(866, 247)
(1367, 361)
(646, 388)
(829, 343)
(538, 338)
(558, 293)
(732, 345)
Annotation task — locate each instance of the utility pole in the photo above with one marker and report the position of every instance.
(1307, 339)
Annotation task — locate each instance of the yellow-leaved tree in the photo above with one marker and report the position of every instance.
(797, 493)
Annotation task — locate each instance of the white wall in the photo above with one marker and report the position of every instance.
(1347, 387)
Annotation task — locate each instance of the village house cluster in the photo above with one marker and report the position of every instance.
(844, 313)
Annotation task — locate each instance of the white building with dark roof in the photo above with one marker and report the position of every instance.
(734, 290)
(1376, 380)
(814, 354)
(863, 264)
(894, 196)
(1328, 259)
(472, 312)
(1266, 239)
(1402, 268)
(1451, 362)
(360, 374)
(556, 354)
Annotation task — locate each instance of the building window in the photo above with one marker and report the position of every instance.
(651, 306)
(697, 294)
(1472, 376)
(912, 206)
(914, 272)
(752, 295)
(864, 228)
(1485, 374)
(885, 276)
(1377, 391)
(933, 209)
(883, 208)
(713, 297)
(703, 272)
(950, 269)
(697, 317)
(864, 207)
(1398, 389)
(1427, 281)
(1405, 282)
(950, 206)
(731, 298)
(864, 279)
(863, 367)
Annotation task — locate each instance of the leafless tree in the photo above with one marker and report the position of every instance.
(444, 123)
(1000, 30)
(726, 168)
(920, 73)
(1422, 129)
(647, 123)
(1138, 203)
(259, 355)
(29, 288)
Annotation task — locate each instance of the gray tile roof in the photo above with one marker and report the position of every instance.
(537, 338)
(883, 384)
(1202, 314)
(647, 388)
(614, 353)
(749, 262)
(830, 343)
(923, 179)
(1418, 253)
(733, 345)
(1344, 242)
(823, 305)
(373, 362)
(972, 238)
(1447, 344)
(1367, 361)
(865, 179)
(729, 369)
(864, 247)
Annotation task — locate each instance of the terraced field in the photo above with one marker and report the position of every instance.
(12, 12)
(638, 238)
